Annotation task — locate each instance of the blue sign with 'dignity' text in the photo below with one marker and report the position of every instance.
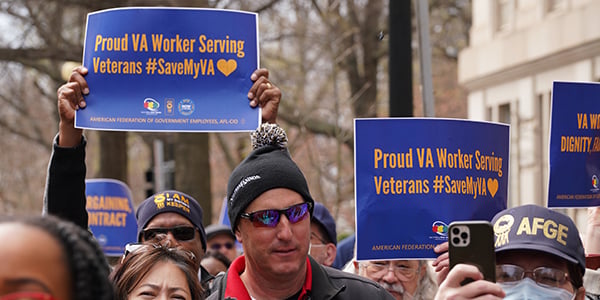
(170, 69)
(413, 176)
(111, 216)
(575, 145)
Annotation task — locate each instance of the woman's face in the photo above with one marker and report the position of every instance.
(164, 281)
(32, 261)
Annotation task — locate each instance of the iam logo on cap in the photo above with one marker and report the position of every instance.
(502, 228)
(159, 200)
(174, 200)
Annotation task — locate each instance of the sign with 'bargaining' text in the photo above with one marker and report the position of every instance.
(170, 69)
(413, 176)
(574, 145)
(111, 216)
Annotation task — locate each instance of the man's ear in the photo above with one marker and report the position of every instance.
(331, 251)
(238, 235)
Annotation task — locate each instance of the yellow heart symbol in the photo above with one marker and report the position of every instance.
(226, 66)
(492, 186)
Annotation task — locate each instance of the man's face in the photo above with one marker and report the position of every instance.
(530, 260)
(398, 277)
(170, 220)
(223, 243)
(323, 252)
(278, 251)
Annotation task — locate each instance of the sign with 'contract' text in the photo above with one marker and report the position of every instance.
(111, 216)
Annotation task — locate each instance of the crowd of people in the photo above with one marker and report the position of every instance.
(282, 244)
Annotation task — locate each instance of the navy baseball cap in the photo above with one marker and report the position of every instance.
(532, 227)
(322, 216)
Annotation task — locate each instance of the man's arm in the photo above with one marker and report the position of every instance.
(64, 195)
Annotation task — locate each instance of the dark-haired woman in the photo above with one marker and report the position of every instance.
(47, 258)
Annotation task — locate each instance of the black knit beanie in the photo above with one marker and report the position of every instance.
(268, 166)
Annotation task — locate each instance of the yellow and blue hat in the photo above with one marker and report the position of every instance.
(532, 227)
(170, 201)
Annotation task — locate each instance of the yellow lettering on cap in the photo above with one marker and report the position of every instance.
(524, 226)
(562, 233)
(550, 229)
(537, 224)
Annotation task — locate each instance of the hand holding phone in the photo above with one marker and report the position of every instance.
(472, 242)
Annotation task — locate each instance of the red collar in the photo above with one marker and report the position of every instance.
(236, 289)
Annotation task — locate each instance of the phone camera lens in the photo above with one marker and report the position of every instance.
(455, 230)
(456, 241)
(464, 235)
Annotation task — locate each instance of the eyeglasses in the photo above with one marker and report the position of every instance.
(542, 275)
(377, 269)
(180, 233)
(217, 246)
(270, 217)
(138, 247)
(316, 236)
(27, 296)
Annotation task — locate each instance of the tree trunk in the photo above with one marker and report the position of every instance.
(192, 169)
(113, 155)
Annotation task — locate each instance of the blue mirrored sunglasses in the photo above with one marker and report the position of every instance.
(270, 217)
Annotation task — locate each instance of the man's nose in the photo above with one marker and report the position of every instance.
(284, 228)
(172, 240)
(390, 275)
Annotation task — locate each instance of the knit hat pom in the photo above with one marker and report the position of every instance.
(268, 134)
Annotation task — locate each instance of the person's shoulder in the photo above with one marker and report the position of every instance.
(217, 286)
(352, 281)
(338, 274)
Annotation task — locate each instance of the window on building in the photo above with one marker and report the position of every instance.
(556, 5)
(543, 116)
(504, 14)
(504, 113)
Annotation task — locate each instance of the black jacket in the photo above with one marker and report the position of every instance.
(65, 184)
(327, 283)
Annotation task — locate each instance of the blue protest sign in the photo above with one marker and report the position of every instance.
(111, 216)
(223, 216)
(413, 176)
(170, 69)
(574, 145)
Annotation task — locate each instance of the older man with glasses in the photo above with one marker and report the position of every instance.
(269, 207)
(404, 279)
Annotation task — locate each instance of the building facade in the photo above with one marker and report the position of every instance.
(517, 49)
